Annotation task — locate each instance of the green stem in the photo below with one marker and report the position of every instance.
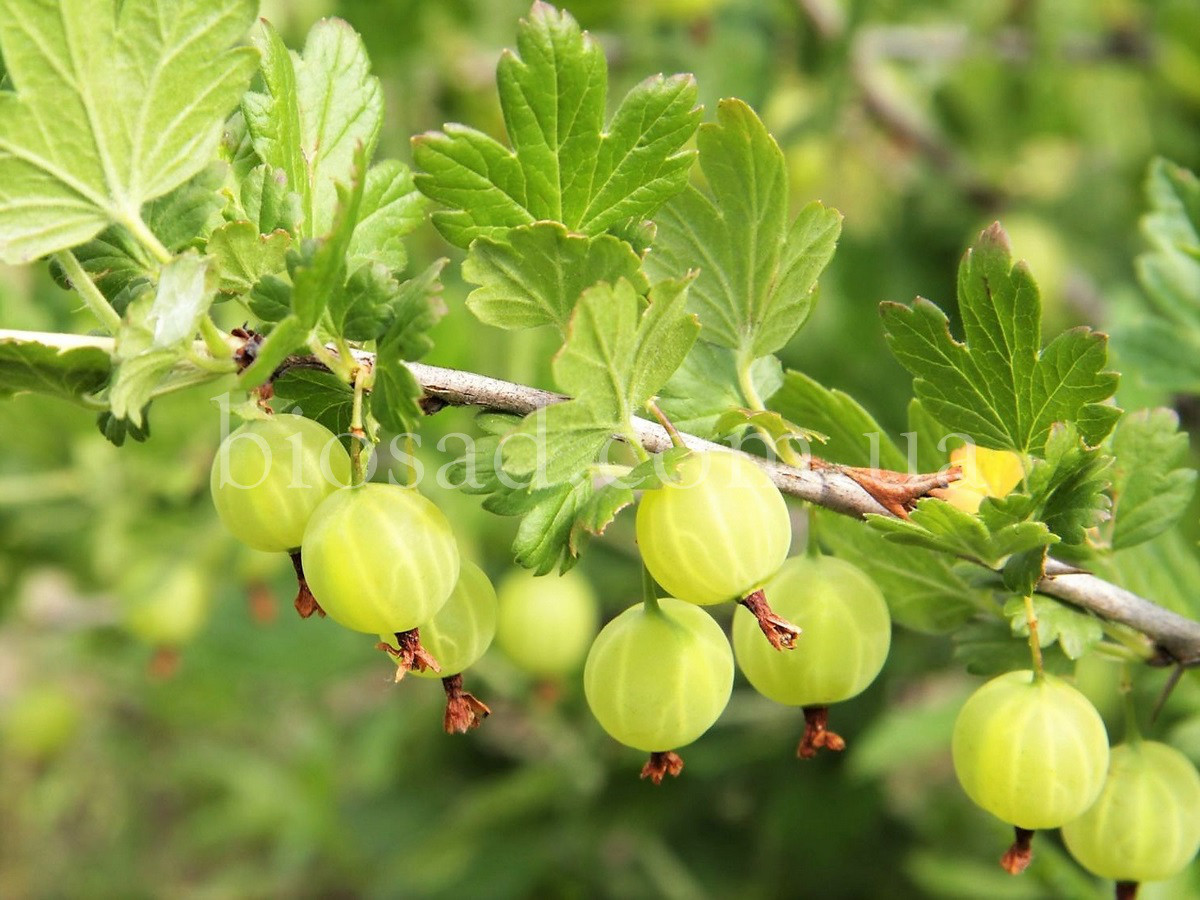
(358, 436)
(221, 365)
(410, 470)
(96, 302)
(1035, 646)
(1133, 734)
(749, 391)
(672, 431)
(214, 338)
(335, 364)
(649, 592)
(783, 447)
(147, 238)
(179, 380)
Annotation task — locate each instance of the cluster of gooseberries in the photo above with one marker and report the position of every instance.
(382, 559)
(1033, 751)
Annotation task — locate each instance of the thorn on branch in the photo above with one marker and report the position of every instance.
(817, 735)
(306, 603)
(408, 654)
(463, 710)
(1020, 854)
(897, 492)
(779, 631)
(661, 764)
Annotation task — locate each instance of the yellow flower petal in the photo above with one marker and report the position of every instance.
(985, 473)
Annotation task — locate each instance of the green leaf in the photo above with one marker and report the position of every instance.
(989, 648)
(535, 274)
(72, 373)
(391, 208)
(612, 363)
(320, 276)
(597, 513)
(923, 589)
(271, 299)
(316, 395)
(565, 165)
(706, 386)
(1076, 632)
(319, 109)
(854, 437)
(71, 159)
(118, 265)
(415, 309)
(936, 525)
(135, 381)
(185, 292)
(999, 387)
(362, 309)
(1066, 490)
(186, 216)
(767, 423)
(268, 202)
(1162, 353)
(1152, 486)
(556, 521)
(116, 430)
(121, 267)
(157, 332)
(1170, 273)
(244, 256)
(757, 274)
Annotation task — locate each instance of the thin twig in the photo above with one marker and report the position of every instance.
(1177, 637)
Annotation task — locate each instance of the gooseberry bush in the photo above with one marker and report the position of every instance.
(215, 201)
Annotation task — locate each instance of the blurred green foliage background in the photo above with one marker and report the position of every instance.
(275, 757)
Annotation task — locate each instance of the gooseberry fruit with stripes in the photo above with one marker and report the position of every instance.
(380, 558)
(715, 534)
(462, 630)
(1145, 826)
(1031, 751)
(269, 476)
(846, 632)
(659, 675)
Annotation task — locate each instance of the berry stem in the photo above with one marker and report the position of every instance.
(463, 710)
(1020, 854)
(672, 431)
(358, 436)
(817, 735)
(1133, 734)
(1035, 644)
(779, 631)
(649, 591)
(661, 764)
(306, 604)
(410, 468)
